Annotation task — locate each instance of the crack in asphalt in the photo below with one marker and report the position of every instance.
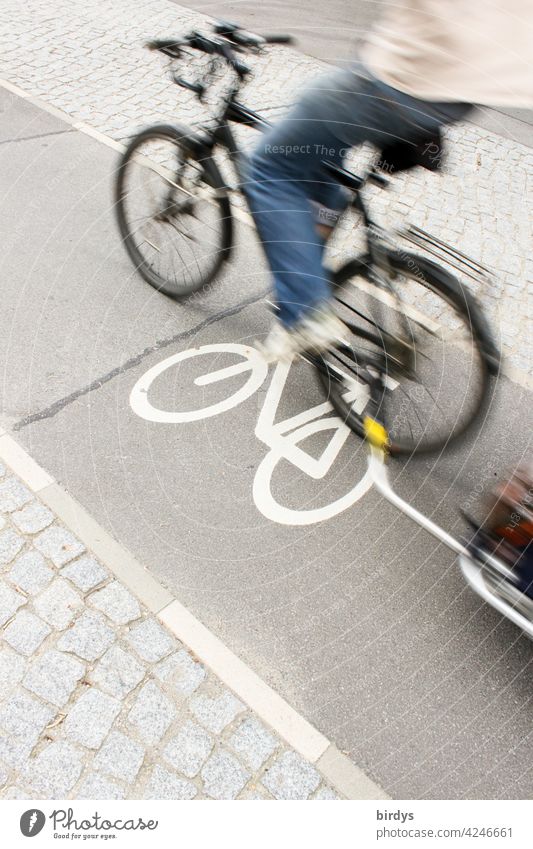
(57, 406)
(39, 136)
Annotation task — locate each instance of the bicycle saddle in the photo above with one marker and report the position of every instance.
(404, 155)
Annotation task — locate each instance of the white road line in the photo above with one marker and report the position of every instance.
(14, 456)
(268, 705)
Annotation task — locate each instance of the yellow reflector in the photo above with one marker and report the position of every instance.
(375, 433)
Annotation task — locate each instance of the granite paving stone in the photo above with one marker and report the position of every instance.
(216, 713)
(90, 718)
(253, 743)
(326, 794)
(12, 667)
(24, 717)
(33, 518)
(118, 672)
(14, 792)
(189, 749)
(116, 602)
(13, 494)
(96, 786)
(15, 752)
(54, 676)
(89, 637)
(223, 776)
(182, 671)
(55, 770)
(59, 545)
(30, 572)
(166, 785)
(58, 604)
(120, 756)
(152, 713)
(85, 573)
(26, 632)
(10, 601)
(150, 640)
(291, 777)
(10, 545)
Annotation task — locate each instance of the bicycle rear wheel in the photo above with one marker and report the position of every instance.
(173, 213)
(437, 380)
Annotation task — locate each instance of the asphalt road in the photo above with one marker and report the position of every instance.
(331, 32)
(361, 621)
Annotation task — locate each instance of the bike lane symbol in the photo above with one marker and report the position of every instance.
(282, 438)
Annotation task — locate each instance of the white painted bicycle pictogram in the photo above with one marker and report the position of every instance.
(282, 438)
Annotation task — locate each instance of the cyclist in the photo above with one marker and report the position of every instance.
(422, 68)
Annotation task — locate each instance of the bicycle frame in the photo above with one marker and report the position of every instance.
(221, 134)
(234, 112)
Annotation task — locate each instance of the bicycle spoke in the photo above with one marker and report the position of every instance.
(427, 349)
(172, 218)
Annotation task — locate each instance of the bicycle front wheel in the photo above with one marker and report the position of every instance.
(437, 380)
(173, 212)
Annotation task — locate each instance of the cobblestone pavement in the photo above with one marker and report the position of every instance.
(99, 701)
(85, 57)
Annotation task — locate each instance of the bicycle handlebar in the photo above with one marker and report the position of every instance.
(240, 37)
(233, 37)
(279, 39)
(170, 46)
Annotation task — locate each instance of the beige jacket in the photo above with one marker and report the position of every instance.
(477, 51)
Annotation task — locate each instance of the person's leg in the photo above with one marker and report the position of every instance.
(286, 176)
(281, 196)
(286, 182)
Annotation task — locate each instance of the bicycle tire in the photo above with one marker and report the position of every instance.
(446, 288)
(192, 280)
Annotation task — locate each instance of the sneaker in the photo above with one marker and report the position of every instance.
(278, 345)
(314, 333)
(320, 330)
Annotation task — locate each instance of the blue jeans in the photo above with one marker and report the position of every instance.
(286, 177)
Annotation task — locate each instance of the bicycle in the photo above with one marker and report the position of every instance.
(406, 314)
